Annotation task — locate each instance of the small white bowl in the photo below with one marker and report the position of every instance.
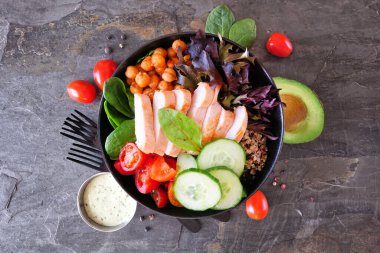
(83, 213)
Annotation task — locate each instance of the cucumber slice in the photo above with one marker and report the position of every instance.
(185, 161)
(232, 189)
(222, 152)
(196, 189)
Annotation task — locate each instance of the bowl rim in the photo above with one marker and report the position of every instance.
(137, 53)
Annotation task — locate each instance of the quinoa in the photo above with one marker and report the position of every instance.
(256, 150)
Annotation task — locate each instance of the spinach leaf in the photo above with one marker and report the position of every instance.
(243, 32)
(114, 117)
(180, 129)
(131, 100)
(116, 94)
(220, 20)
(119, 137)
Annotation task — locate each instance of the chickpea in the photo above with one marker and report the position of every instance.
(139, 67)
(160, 51)
(146, 64)
(171, 52)
(130, 81)
(151, 73)
(170, 63)
(149, 92)
(158, 61)
(142, 79)
(179, 43)
(186, 58)
(169, 75)
(173, 61)
(154, 80)
(160, 70)
(135, 89)
(178, 87)
(163, 85)
(131, 72)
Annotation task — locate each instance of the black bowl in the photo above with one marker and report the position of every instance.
(127, 182)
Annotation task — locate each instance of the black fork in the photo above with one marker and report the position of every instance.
(87, 156)
(81, 128)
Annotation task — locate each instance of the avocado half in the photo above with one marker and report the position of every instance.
(304, 117)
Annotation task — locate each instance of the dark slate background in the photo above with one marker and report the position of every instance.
(332, 200)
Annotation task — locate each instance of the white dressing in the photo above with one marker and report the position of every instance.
(106, 203)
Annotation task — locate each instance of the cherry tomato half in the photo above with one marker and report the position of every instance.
(160, 197)
(131, 158)
(172, 198)
(279, 45)
(143, 181)
(161, 171)
(81, 91)
(257, 206)
(103, 70)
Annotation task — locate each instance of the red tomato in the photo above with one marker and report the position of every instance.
(81, 91)
(103, 70)
(160, 197)
(279, 45)
(119, 169)
(171, 196)
(161, 171)
(131, 158)
(257, 206)
(143, 181)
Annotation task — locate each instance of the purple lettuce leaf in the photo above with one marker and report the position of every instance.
(205, 65)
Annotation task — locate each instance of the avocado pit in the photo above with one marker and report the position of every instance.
(295, 111)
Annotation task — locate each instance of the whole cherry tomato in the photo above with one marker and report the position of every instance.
(279, 45)
(81, 91)
(103, 70)
(131, 158)
(257, 206)
(160, 197)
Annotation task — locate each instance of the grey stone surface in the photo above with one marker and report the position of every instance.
(332, 200)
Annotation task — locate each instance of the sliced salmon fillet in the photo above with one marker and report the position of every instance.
(183, 102)
(161, 99)
(239, 126)
(224, 124)
(145, 138)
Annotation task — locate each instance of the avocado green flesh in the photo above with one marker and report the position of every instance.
(306, 110)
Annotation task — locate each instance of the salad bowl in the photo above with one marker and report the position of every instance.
(127, 182)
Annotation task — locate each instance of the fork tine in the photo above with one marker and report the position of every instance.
(87, 148)
(93, 155)
(86, 118)
(85, 137)
(75, 138)
(77, 130)
(80, 126)
(98, 168)
(82, 123)
(85, 158)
